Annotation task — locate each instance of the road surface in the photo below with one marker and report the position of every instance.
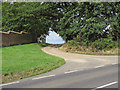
(99, 77)
(80, 71)
(79, 61)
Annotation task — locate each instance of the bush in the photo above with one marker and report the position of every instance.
(73, 43)
(104, 44)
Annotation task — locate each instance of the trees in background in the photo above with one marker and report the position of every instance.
(91, 21)
(92, 24)
(85, 22)
(33, 17)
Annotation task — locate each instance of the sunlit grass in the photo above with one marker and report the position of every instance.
(27, 60)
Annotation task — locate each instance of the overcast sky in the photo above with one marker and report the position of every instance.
(54, 38)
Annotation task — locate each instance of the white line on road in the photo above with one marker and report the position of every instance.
(43, 77)
(9, 83)
(71, 71)
(106, 85)
(99, 66)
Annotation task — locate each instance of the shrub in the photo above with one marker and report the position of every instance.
(104, 44)
(73, 43)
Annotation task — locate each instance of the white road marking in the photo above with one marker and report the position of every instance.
(9, 83)
(71, 71)
(43, 77)
(99, 66)
(106, 85)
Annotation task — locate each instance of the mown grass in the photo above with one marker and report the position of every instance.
(26, 60)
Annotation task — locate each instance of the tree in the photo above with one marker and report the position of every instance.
(33, 17)
(83, 21)
(89, 21)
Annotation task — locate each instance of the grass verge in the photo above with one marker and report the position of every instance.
(87, 50)
(26, 60)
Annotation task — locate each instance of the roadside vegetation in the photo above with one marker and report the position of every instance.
(96, 48)
(89, 24)
(91, 28)
(26, 60)
(87, 27)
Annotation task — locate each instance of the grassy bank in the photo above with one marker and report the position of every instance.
(26, 60)
(76, 48)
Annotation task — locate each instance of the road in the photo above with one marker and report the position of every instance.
(79, 61)
(99, 77)
(80, 71)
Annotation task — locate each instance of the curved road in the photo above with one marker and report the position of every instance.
(79, 61)
(80, 71)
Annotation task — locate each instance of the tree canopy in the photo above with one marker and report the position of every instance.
(90, 21)
(33, 17)
(84, 21)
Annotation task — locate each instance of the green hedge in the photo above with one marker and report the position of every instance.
(104, 44)
(100, 44)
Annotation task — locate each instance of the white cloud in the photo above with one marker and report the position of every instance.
(53, 37)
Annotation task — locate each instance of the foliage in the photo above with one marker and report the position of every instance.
(85, 22)
(90, 21)
(101, 46)
(33, 17)
(104, 43)
(73, 43)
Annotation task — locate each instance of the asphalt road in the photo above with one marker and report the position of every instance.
(95, 78)
(79, 61)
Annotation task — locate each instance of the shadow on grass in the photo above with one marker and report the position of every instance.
(43, 44)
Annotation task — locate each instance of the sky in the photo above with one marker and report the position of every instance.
(54, 38)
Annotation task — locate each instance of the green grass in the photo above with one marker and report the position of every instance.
(26, 60)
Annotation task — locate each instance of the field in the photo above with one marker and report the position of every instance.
(26, 60)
